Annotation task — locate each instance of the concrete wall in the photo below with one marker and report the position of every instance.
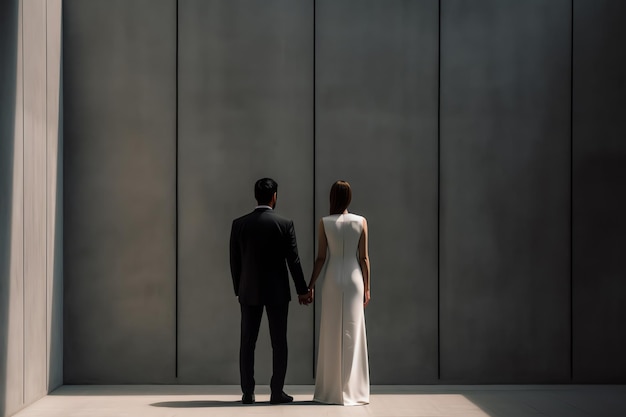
(120, 159)
(505, 191)
(376, 126)
(451, 119)
(31, 257)
(245, 106)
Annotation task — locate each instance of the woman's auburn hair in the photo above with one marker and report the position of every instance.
(340, 197)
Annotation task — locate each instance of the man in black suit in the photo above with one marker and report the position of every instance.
(260, 243)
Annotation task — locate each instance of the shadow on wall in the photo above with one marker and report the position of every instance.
(9, 13)
(55, 358)
(599, 287)
(602, 180)
(601, 223)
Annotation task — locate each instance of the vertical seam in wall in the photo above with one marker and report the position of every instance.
(23, 214)
(314, 176)
(571, 240)
(439, 192)
(46, 195)
(176, 210)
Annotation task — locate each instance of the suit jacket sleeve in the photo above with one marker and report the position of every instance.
(293, 261)
(235, 258)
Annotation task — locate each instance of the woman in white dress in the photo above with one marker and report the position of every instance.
(342, 375)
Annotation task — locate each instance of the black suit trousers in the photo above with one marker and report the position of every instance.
(250, 324)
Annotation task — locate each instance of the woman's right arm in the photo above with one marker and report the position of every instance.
(321, 255)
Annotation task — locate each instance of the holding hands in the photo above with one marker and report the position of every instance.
(306, 299)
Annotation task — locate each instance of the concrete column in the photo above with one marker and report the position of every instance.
(11, 209)
(35, 127)
(29, 47)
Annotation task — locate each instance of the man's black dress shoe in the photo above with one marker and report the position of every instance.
(247, 399)
(281, 398)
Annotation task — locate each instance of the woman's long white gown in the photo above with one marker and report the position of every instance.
(342, 365)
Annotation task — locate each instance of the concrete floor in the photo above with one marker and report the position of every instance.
(386, 401)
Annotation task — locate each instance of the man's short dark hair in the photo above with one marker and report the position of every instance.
(264, 189)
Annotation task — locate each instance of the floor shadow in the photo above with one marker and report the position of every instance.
(220, 404)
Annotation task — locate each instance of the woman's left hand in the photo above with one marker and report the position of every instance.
(366, 298)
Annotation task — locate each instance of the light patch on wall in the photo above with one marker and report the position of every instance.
(15, 323)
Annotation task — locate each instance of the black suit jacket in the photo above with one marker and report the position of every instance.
(262, 244)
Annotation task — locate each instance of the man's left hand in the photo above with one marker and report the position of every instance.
(306, 299)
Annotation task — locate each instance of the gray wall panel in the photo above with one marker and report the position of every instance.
(376, 127)
(119, 195)
(505, 191)
(246, 97)
(599, 224)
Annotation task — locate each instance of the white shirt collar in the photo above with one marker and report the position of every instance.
(264, 207)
